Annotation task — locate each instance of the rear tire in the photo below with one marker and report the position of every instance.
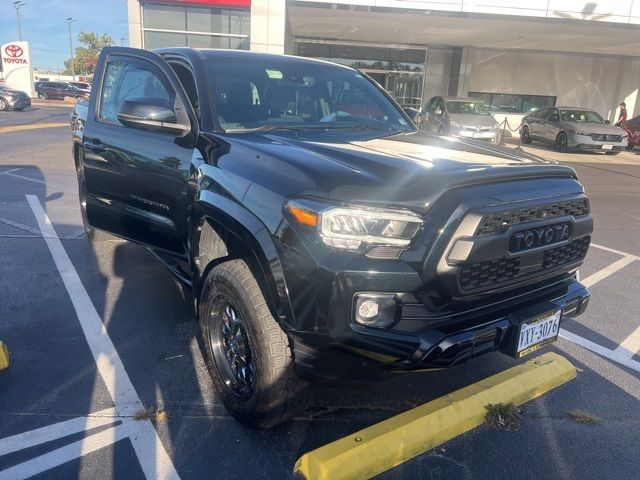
(562, 142)
(249, 356)
(42, 95)
(3, 104)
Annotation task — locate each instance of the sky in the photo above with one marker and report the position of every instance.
(44, 25)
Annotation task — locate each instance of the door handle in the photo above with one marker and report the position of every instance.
(96, 146)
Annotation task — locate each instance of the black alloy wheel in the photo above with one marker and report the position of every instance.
(562, 142)
(230, 346)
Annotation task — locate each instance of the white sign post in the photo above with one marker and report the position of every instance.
(16, 66)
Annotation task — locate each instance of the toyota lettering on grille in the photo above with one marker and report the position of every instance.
(539, 237)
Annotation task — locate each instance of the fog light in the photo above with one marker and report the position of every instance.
(375, 309)
(368, 310)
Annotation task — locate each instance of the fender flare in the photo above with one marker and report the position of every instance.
(225, 215)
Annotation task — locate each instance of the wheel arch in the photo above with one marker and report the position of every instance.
(223, 230)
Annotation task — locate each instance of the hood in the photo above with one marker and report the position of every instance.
(15, 93)
(593, 128)
(473, 119)
(409, 170)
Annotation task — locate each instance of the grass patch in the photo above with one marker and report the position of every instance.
(503, 416)
(149, 413)
(581, 416)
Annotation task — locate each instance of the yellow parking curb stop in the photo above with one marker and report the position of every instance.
(391, 442)
(4, 356)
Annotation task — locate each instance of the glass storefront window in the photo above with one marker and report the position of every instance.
(190, 26)
(164, 17)
(513, 103)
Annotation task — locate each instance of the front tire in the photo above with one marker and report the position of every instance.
(630, 146)
(525, 136)
(42, 95)
(562, 142)
(3, 104)
(249, 356)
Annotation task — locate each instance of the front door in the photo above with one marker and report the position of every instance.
(136, 177)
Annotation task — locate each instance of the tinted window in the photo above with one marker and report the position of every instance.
(581, 116)
(513, 103)
(127, 80)
(457, 107)
(298, 95)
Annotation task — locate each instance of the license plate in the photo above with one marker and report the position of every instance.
(607, 147)
(538, 332)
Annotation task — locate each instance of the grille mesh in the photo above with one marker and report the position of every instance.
(496, 272)
(601, 137)
(499, 222)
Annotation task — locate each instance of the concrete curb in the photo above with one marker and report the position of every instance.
(387, 444)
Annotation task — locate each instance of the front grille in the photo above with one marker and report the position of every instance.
(601, 137)
(501, 221)
(494, 273)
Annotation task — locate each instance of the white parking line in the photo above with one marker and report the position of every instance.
(613, 250)
(629, 346)
(591, 280)
(600, 350)
(153, 457)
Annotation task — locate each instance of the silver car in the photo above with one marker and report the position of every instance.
(570, 128)
(460, 117)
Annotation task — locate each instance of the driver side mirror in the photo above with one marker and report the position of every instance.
(414, 115)
(151, 114)
(438, 111)
(608, 122)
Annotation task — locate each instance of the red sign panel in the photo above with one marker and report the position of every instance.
(209, 3)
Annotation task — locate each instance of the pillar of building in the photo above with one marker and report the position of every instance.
(460, 72)
(268, 20)
(135, 23)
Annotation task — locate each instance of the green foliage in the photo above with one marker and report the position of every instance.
(86, 56)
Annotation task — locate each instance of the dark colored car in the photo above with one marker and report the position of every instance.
(571, 128)
(11, 99)
(58, 91)
(318, 243)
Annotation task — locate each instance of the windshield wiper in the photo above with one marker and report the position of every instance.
(264, 128)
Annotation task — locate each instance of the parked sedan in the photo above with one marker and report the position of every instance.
(59, 90)
(13, 99)
(83, 86)
(460, 117)
(570, 128)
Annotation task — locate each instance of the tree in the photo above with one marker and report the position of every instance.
(86, 56)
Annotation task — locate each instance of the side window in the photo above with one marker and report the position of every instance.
(440, 105)
(553, 115)
(432, 104)
(127, 80)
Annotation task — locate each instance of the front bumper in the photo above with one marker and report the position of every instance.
(491, 135)
(19, 102)
(585, 142)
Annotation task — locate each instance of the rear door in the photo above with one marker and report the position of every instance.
(536, 123)
(136, 178)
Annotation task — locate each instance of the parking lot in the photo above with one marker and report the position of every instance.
(99, 331)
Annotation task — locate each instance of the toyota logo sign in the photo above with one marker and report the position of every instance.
(13, 54)
(14, 51)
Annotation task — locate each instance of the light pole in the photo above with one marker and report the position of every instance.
(73, 67)
(122, 41)
(17, 6)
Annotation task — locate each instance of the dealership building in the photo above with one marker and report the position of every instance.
(513, 55)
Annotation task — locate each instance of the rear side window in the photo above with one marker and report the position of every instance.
(128, 80)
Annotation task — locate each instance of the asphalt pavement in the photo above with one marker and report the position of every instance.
(82, 385)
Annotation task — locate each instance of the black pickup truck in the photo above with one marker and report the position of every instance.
(322, 235)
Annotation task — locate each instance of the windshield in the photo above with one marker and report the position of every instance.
(455, 106)
(272, 93)
(580, 116)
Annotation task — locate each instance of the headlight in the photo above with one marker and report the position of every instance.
(357, 228)
(453, 123)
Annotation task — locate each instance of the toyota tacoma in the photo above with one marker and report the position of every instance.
(322, 235)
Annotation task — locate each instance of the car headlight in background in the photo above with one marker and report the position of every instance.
(453, 123)
(357, 228)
